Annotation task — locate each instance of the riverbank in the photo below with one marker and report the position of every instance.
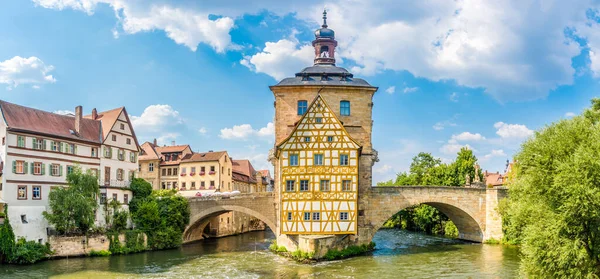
(247, 256)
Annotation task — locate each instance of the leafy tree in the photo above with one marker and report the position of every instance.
(116, 217)
(420, 166)
(465, 165)
(141, 189)
(554, 205)
(73, 208)
(7, 237)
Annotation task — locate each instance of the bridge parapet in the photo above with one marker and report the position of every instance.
(230, 197)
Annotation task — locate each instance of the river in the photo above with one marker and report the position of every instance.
(399, 254)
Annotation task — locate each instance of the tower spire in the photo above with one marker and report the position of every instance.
(324, 19)
(324, 43)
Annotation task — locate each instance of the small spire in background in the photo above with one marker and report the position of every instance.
(324, 19)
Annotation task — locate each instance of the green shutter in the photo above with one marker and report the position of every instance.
(44, 145)
(75, 145)
(25, 167)
(43, 169)
(60, 147)
(14, 166)
(32, 142)
(60, 170)
(31, 168)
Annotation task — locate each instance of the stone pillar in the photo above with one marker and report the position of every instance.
(493, 219)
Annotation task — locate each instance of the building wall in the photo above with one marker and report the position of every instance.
(153, 177)
(221, 177)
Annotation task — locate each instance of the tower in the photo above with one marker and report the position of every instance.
(323, 155)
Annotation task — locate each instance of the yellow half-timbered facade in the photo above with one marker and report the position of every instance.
(318, 175)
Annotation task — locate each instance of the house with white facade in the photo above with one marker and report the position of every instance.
(39, 148)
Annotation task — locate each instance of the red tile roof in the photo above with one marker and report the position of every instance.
(148, 152)
(20, 118)
(172, 148)
(204, 157)
(495, 179)
(245, 168)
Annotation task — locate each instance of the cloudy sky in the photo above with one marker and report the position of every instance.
(482, 74)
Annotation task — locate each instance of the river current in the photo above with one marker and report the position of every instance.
(399, 254)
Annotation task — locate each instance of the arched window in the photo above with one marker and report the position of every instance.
(345, 108)
(302, 107)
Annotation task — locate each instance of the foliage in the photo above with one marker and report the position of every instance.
(162, 216)
(73, 208)
(134, 242)
(554, 206)
(101, 253)
(275, 248)
(349, 251)
(300, 255)
(492, 241)
(141, 189)
(450, 230)
(7, 238)
(116, 217)
(28, 252)
(2, 215)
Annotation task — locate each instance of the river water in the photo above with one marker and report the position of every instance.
(399, 254)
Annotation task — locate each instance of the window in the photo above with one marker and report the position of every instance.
(3, 140)
(318, 160)
(345, 108)
(316, 216)
(168, 157)
(114, 137)
(22, 192)
(343, 159)
(202, 185)
(193, 170)
(19, 167)
(346, 185)
(151, 167)
(114, 196)
(20, 141)
(164, 172)
(38, 144)
(55, 170)
(102, 198)
(121, 155)
(122, 126)
(175, 170)
(131, 174)
(212, 168)
(128, 141)
(183, 171)
(70, 169)
(222, 169)
(107, 152)
(193, 185)
(302, 106)
(70, 148)
(319, 120)
(344, 216)
(306, 216)
(330, 138)
(289, 186)
(36, 192)
(306, 139)
(293, 159)
(289, 216)
(202, 170)
(24, 219)
(94, 152)
(120, 174)
(164, 186)
(125, 198)
(54, 146)
(325, 186)
(212, 184)
(132, 157)
(37, 168)
(303, 185)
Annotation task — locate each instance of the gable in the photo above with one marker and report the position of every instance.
(318, 124)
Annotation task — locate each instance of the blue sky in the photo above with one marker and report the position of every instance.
(450, 73)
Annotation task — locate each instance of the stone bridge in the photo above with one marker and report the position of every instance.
(473, 210)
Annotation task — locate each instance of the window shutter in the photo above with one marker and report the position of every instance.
(50, 170)
(60, 170)
(60, 147)
(43, 169)
(31, 167)
(75, 145)
(44, 144)
(33, 142)
(25, 167)
(14, 166)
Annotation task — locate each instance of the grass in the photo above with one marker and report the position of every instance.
(349, 251)
(101, 253)
(492, 241)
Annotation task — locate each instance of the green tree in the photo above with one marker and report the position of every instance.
(420, 166)
(465, 166)
(141, 189)
(554, 205)
(7, 238)
(73, 208)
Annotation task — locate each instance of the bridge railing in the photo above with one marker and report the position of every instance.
(226, 197)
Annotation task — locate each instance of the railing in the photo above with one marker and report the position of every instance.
(115, 183)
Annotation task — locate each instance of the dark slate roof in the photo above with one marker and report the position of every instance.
(324, 74)
(20, 118)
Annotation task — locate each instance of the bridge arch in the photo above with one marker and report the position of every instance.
(465, 207)
(199, 220)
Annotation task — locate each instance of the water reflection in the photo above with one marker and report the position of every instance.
(399, 254)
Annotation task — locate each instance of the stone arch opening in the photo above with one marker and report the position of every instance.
(200, 221)
(468, 227)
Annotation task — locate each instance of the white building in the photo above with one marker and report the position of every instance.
(40, 148)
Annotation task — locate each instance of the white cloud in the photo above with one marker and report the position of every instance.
(447, 123)
(410, 89)
(19, 70)
(466, 136)
(391, 90)
(454, 97)
(167, 138)
(452, 147)
(64, 112)
(245, 131)
(280, 59)
(202, 131)
(570, 114)
(494, 153)
(184, 25)
(383, 169)
(156, 118)
(512, 131)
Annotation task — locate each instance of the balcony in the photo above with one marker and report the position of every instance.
(211, 172)
(202, 173)
(114, 183)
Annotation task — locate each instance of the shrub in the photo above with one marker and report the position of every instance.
(450, 230)
(275, 248)
(7, 238)
(349, 251)
(2, 215)
(301, 255)
(28, 252)
(101, 253)
(492, 241)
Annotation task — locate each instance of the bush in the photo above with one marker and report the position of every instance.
(349, 251)
(134, 241)
(7, 238)
(277, 249)
(451, 230)
(2, 215)
(301, 255)
(28, 252)
(101, 253)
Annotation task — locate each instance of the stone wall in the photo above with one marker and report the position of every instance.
(73, 246)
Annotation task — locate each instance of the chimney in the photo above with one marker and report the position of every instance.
(173, 143)
(154, 142)
(78, 119)
(94, 114)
